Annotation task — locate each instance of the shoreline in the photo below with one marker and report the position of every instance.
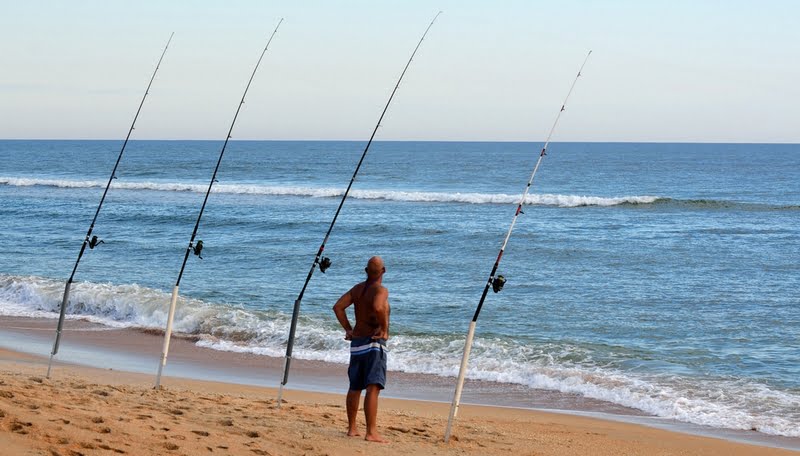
(86, 344)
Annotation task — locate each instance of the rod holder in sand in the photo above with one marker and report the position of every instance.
(460, 384)
(167, 335)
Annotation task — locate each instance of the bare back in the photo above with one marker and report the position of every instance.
(367, 299)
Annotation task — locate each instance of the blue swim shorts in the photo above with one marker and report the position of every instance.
(367, 363)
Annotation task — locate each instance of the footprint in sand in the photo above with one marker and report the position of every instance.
(19, 427)
(108, 448)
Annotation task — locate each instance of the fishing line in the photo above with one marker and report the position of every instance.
(197, 247)
(496, 282)
(324, 262)
(91, 240)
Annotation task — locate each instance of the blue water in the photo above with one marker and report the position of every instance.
(662, 277)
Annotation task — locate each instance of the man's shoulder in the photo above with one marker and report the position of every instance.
(382, 293)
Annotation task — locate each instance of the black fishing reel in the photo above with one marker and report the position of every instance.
(94, 242)
(497, 283)
(324, 264)
(198, 248)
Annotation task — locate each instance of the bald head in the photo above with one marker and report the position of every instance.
(375, 268)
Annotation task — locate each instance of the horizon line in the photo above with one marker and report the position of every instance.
(418, 140)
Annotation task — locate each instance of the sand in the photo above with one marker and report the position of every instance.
(90, 411)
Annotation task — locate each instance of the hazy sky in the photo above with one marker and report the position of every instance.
(721, 71)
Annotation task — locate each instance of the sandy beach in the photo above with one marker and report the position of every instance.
(92, 411)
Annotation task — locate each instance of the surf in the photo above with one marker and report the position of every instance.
(475, 198)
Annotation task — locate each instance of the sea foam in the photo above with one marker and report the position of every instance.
(332, 192)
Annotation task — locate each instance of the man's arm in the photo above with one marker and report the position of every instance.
(339, 309)
(381, 306)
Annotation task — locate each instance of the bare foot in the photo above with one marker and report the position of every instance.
(375, 438)
(353, 433)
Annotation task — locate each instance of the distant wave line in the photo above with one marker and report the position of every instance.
(330, 192)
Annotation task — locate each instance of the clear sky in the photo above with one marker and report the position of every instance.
(683, 71)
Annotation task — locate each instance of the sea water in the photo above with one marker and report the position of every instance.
(661, 277)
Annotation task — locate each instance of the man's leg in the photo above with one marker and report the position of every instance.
(371, 413)
(353, 398)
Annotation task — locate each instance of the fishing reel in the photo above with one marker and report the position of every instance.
(94, 242)
(497, 283)
(324, 264)
(198, 248)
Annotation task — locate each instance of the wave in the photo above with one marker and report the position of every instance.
(564, 367)
(534, 199)
(713, 204)
(332, 192)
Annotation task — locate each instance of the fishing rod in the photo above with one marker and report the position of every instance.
(94, 241)
(198, 247)
(496, 282)
(324, 262)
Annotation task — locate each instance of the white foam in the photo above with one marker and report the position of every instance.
(113, 305)
(329, 192)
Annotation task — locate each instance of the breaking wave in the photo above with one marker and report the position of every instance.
(331, 192)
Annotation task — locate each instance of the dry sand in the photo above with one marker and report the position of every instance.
(88, 411)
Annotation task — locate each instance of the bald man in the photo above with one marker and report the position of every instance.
(367, 345)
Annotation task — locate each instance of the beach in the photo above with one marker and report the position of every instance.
(93, 411)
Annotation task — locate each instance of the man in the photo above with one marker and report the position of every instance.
(367, 345)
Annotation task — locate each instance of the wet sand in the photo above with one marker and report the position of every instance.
(89, 410)
(137, 351)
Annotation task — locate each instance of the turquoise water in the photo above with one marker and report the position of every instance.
(662, 277)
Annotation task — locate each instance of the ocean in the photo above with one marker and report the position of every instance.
(662, 278)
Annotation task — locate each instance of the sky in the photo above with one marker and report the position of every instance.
(660, 71)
